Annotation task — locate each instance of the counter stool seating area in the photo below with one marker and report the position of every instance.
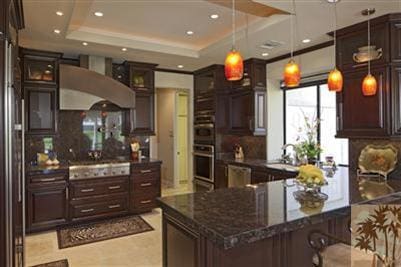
(330, 251)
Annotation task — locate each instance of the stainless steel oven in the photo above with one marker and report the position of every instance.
(200, 186)
(204, 133)
(204, 162)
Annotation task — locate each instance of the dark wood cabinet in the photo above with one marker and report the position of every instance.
(41, 109)
(143, 120)
(263, 175)
(40, 83)
(141, 76)
(145, 187)
(360, 116)
(47, 201)
(220, 175)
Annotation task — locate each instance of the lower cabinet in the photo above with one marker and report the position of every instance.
(47, 202)
(220, 175)
(262, 175)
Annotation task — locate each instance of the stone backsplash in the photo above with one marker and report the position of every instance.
(254, 147)
(70, 135)
(356, 146)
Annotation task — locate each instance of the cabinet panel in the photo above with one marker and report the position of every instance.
(241, 105)
(46, 207)
(143, 122)
(220, 175)
(42, 70)
(360, 115)
(396, 42)
(396, 100)
(41, 110)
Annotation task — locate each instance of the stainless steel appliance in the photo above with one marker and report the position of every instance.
(200, 186)
(204, 162)
(92, 170)
(238, 176)
(14, 155)
(204, 133)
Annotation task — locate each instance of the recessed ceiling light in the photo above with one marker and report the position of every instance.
(305, 41)
(333, 1)
(265, 54)
(180, 66)
(59, 13)
(124, 49)
(190, 32)
(57, 31)
(85, 43)
(214, 16)
(98, 14)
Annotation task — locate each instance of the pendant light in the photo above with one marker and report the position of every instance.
(369, 84)
(234, 65)
(335, 79)
(292, 72)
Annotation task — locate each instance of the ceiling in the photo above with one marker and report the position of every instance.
(155, 31)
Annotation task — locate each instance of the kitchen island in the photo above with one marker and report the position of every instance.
(262, 225)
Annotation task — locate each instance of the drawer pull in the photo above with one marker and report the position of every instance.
(88, 210)
(146, 171)
(48, 179)
(113, 187)
(146, 184)
(114, 206)
(87, 190)
(146, 201)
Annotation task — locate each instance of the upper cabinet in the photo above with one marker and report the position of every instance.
(40, 83)
(141, 76)
(360, 116)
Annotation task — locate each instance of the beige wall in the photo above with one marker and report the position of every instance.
(311, 63)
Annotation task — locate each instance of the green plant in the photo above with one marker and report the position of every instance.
(308, 146)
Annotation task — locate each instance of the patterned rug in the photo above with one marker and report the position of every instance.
(62, 263)
(99, 231)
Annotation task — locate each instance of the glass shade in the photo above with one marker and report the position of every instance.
(335, 81)
(369, 85)
(292, 74)
(234, 66)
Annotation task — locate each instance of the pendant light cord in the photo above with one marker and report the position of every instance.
(335, 34)
(233, 23)
(292, 29)
(369, 40)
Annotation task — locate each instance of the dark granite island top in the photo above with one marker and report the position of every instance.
(236, 217)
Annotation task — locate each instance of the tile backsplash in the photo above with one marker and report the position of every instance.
(254, 147)
(70, 135)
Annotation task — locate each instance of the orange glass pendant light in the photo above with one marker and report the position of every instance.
(369, 84)
(234, 64)
(292, 71)
(292, 74)
(335, 79)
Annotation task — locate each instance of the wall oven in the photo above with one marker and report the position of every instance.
(204, 162)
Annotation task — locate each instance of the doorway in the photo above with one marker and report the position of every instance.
(172, 107)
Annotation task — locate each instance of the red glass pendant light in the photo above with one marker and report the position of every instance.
(335, 78)
(234, 64)
(369, 84)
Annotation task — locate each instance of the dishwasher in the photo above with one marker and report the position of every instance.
(238, 176)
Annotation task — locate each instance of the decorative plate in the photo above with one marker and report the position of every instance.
(378, 159)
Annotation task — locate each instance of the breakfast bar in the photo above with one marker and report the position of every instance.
(263, 224)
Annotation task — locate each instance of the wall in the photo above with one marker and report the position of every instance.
(318, 61)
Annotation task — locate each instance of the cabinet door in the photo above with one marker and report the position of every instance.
(396, 100)
(241, 106)
(46, 207)
(220, 175)
(40, 70)
(359, 115)
(142, 79)
(260, 120)
(41, 109)
(143, 123)
(259, 176)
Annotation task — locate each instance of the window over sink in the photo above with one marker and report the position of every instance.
(314, 101)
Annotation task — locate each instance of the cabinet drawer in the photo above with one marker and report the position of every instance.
(47, 179)
(146, 186)
(102, 187)
(144, 202)
(99, 209)
(146, 171)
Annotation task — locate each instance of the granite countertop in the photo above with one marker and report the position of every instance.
(65, 165)
(248, 162)
(233, 216)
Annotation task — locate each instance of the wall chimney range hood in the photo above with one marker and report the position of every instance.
(81, 87)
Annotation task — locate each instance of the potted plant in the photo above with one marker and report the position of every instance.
(307, 147)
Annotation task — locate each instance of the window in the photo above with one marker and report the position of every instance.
(314, 101)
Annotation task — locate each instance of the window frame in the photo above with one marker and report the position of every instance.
(318, 83)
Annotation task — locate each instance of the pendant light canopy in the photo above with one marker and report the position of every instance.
(369, 84)
(233, 65)
(335, 79)
(292, 72)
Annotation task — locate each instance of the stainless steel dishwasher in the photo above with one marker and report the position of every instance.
(238, 176)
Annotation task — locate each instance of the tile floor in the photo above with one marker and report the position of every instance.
(140, 250)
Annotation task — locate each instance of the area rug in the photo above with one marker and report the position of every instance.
(61, 263)
(99, 231)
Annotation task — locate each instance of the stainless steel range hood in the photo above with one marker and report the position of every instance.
(80, 87)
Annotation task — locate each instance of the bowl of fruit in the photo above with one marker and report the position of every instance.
(310, 178)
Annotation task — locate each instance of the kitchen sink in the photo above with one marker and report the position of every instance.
(282, 166)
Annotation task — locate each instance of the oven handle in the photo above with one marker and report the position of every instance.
(204, 125)
(203, 155)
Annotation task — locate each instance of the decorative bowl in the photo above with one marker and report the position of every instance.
(378, 159)
(366, 53)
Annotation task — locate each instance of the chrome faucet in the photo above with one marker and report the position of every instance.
(287, 158)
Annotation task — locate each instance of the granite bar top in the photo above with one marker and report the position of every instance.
(234, 216)
(248, 162)
(44, 169)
